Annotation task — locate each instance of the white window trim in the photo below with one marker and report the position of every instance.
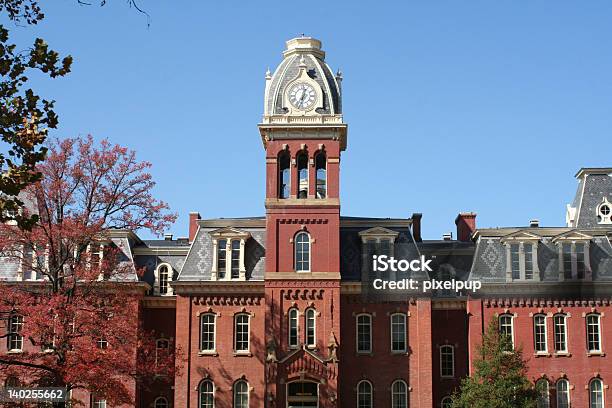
(391, 333)
(248, 392)
(405, 391)
(603, 393)
(511, 316)
(599, 333)
(452, 348)
(565, 334)
(605, 219)
(547, 389)
(572, 241)
(371, 392)
(314, 322)
(569, 394)
(369, 351)
(158, 282)
(297, 174)
(310, 242)
(229, 235)
(297, 328)
(214, 391)
(545, 351)
(214, 349)
(248, 349)
(17, 334)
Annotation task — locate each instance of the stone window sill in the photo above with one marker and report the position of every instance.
(242, 354)
(596, 354)
(14, 351)
(541, 354)
(562, 354)
(208, 353)
(364, 353)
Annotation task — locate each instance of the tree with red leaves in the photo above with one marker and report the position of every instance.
(71, 318)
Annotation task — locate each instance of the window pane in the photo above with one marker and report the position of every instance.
(310, 327)
(567, 260)
(593, 341)
(528, 249)
(563, 394)
(543, 397)
(163, 279)
(221, 258)
(398, 395)
(161, 403)
(398, 332)
(241, 394)
(505, 327)
(208, 332)
(284, 177)
(364, 333)
(207, 396)
(596, 394)
(560, 333)
(15, 339)
(447, 361)
(242, 332)
(539, 329)
(302, 252)
(321, 174)
(364, 395)
(235, 259)
(514, 260)
(302, 165)
(580, 267)
(446, 402)
(293, 328)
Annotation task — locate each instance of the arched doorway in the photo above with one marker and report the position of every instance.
(302, 394)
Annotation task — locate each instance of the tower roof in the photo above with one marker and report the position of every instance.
(302, 52)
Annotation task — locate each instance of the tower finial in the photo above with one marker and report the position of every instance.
(339, 75)
(302, 62)
(268, 74)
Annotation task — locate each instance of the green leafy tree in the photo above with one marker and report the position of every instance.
(499, 379)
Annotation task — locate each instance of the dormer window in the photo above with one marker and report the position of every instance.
(163, 277)
(521, 256)
(228, 254)
(378, 241)
(574, 262)
(604, 212)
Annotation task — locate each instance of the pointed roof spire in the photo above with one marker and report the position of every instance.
(268, 74)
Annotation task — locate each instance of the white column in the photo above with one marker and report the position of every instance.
(228, 259)
(213, 269)
(242, 267)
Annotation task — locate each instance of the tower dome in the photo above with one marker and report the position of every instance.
(303, 85)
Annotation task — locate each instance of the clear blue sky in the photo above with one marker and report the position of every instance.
(487, 106)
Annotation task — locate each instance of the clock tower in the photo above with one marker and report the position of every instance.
(303, 135)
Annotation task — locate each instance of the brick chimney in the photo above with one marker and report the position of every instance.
(416, 227)
(466, 224)
(193, 224)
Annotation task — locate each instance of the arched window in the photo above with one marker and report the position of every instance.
(241, 394)
(14, 338)
(398, 333)
(364, 394)
(506, 328)
(302, 252)
(399, 395)
(97, 402)
(310, 318)
(364, 333)
(221, 258)
(164, 277)
(560, 331)
(593, 333)
(446, 402)
(302, 167)
(161, 402)
(447, 361)
(284, 177)
(596, 397)
(293, 328)
(235, 259)
(563, 396)
(543, 396)
(207, 394)
(241, 333)
(207, 332)
(321, 175)
(539, 333)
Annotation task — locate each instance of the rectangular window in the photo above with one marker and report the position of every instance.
(221, 258)
(560, 333)
(539, 333)
(528, 250)
(593, 331)
(580, 267)
(241, 336)
(15, 339)
(506, 329)
(364, 333)
(398, 332)
(514, 260)
(567, 260)
(384, 247)
(207, 332)
(310, 327)
(447, 361)
(235, 259)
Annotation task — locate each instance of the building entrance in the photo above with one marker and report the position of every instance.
(302, 394)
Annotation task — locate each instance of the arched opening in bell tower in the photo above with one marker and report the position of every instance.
(284, 175)
(302, 167)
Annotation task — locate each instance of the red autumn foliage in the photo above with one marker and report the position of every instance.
(79, 291)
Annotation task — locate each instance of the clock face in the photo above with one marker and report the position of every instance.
(302, 95)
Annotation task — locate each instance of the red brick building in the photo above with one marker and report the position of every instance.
(271, 311)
